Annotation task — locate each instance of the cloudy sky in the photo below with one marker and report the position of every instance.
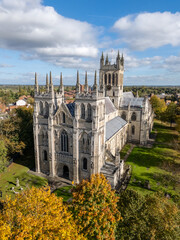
(63, 36)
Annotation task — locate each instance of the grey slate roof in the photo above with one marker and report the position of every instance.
(71, 107)
(134, 102)
(113, 126)
(128, 95)
(109, 105)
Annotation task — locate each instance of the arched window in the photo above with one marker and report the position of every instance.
(46, 109)
(82, 111)
(113, 93)
(133, 130)
(41, 108)
(89, 112)
(64, 141)
(123, 116)
(63, 117)
(109, 79)
(106, 79)
(113, 80)
(116, 79)
(133, 117)
(45, 155)
(84, 163)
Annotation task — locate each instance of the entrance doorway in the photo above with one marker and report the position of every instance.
(65, 172)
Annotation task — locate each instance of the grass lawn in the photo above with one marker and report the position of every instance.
(160, 165)
(124, 150)
(64, 192)
(14, 171)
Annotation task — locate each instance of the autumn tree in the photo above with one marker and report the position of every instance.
(37, 214)
(150, 217)
(94, 208)
(158, 106)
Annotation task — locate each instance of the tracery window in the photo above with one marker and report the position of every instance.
(89, 112)
(133, 117)
(82, 111)
(64, 141)
(45, 155)
(41, 108)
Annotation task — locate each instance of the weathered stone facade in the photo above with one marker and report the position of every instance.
(77, 139)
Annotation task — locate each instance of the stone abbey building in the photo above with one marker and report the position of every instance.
(84, 137)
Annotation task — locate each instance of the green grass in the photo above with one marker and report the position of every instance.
(125, 150)
(14, 171)
(160, 165)
(64, 192)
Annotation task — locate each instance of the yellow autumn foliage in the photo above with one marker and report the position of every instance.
(37, 214)
(94, 208)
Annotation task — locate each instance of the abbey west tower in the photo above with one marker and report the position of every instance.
(111, 77)
(84, 137)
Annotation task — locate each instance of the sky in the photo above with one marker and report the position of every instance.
(66, 36)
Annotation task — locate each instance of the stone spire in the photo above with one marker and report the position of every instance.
(102, 61)
(77, 83)
(118, 55)
(122, 60)
(36, 87)
(107, 60)
(86, 83)
(51, 88)
(95, 87)
(47, 83)
(61, 87)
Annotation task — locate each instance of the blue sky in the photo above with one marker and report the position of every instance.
(63, 36)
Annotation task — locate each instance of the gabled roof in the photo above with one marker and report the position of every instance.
(113, 126)
(71, 107)
(109, 105)
(128, 95)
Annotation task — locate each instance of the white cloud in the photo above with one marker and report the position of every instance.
(41, 33)
(4, 65)
(149, 30)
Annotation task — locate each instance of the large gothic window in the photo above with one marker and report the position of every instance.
(133, 130)
(89, 112)
(133, 117)
(113, 80)
(64, 141)
(63, 117)
(106, 79)
(41, 108)
(123, 116)
(84, 163)
(82, 111)
(46, 109)
(109, 79)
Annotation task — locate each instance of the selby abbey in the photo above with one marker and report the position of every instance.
(78, 139)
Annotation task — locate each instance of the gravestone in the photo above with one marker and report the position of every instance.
(17, 182)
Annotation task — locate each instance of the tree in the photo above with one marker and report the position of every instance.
(170, 113)
(150, 217)
(158, 106)
(94, 208)
(3, 156)
(37, 214)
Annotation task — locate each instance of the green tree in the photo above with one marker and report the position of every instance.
(94, 207)
(3, 156)
(170, 113)
(150, 217)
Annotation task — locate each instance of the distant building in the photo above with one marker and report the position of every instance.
(2, 108)
(21, 103)
(84, 137)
